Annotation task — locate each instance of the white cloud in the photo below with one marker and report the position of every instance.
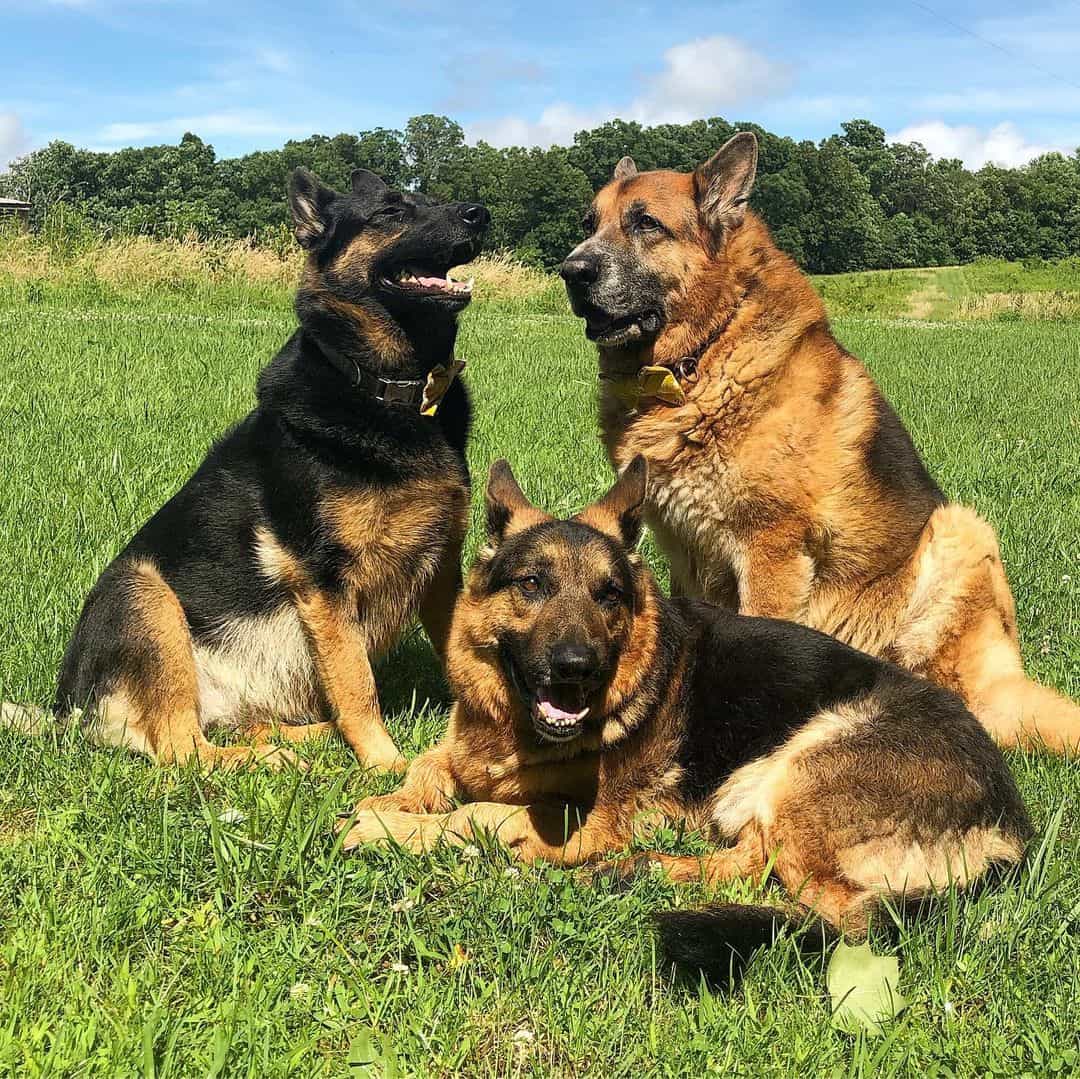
(705, 76)
(234, 122)
(700, 78)
(557, 123)
(1002, 144)
(13, 138)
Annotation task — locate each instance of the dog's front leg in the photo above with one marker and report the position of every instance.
(429, 787)
(564, 834)
(778, 575)
(348, 681)
(437, 605)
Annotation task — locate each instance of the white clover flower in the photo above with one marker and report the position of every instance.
(524, 1036)
(299, 990)
(232, 816)
(400, 968)
(470, 852)
(511, 871)
(403, 905)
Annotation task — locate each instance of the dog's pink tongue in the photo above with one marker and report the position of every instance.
(556, 714)
(432, 282)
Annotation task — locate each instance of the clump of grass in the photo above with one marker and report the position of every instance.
(1020, 306)
(500, 276)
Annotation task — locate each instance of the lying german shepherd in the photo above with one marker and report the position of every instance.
(783, 484)
(317, 527)
(586, 701)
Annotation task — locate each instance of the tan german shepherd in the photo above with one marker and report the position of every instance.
(782, 483)
(587, 703)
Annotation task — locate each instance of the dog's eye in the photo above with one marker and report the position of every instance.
(528, 586)
(648, 223)
(611, 595)
(588, 223)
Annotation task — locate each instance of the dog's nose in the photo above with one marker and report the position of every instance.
(573, 663)
(475, 215)
(581, 269)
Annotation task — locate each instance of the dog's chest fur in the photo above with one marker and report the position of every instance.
(393, 541)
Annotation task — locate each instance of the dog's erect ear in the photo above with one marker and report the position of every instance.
(309, 198)
(723, 183)
(624, 169)
(366, 183)
(508, 510)
(618, 513)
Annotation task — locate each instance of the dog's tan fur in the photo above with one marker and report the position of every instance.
(761, 493)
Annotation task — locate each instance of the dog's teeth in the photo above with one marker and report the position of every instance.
(469, 284)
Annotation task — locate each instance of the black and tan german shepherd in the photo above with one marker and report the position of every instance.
(315, 530)
(587, 703)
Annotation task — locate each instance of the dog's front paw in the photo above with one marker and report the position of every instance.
(382, 826)
(403, 801)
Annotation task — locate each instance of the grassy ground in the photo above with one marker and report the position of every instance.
(164, 923)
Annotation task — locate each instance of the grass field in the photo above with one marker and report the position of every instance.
(163, 923)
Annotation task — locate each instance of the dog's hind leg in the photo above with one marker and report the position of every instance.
(152, 705)
(1014, 709)
(745, 859)
(1017, 711)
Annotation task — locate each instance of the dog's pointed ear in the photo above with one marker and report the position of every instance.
(724, 182)
(508, 510)
(619, 513)
(624, 169)
(366, 183)
(309, 199)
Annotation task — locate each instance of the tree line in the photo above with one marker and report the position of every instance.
(849, 202)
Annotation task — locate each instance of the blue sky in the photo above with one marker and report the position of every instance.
(981, 81)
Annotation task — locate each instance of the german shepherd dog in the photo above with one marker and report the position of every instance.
(315, 529)
(782, 483)
(588, 702)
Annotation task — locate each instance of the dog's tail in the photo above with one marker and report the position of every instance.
(1018, 711)
(26, 719)
(717, 942)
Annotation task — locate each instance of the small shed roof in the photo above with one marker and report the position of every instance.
(14, 204)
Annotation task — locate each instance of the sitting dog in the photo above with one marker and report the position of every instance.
(315, 529)
(782, 483)
(587, 702)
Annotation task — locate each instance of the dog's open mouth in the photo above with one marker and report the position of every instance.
(559, 712)
(612, 332)
(425, 281)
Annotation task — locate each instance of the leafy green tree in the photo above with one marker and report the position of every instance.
(434, 145)
(849, 202)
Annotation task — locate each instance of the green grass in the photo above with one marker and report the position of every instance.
(142, 934)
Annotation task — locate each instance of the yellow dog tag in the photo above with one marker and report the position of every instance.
(658, 382)
(438, 382)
